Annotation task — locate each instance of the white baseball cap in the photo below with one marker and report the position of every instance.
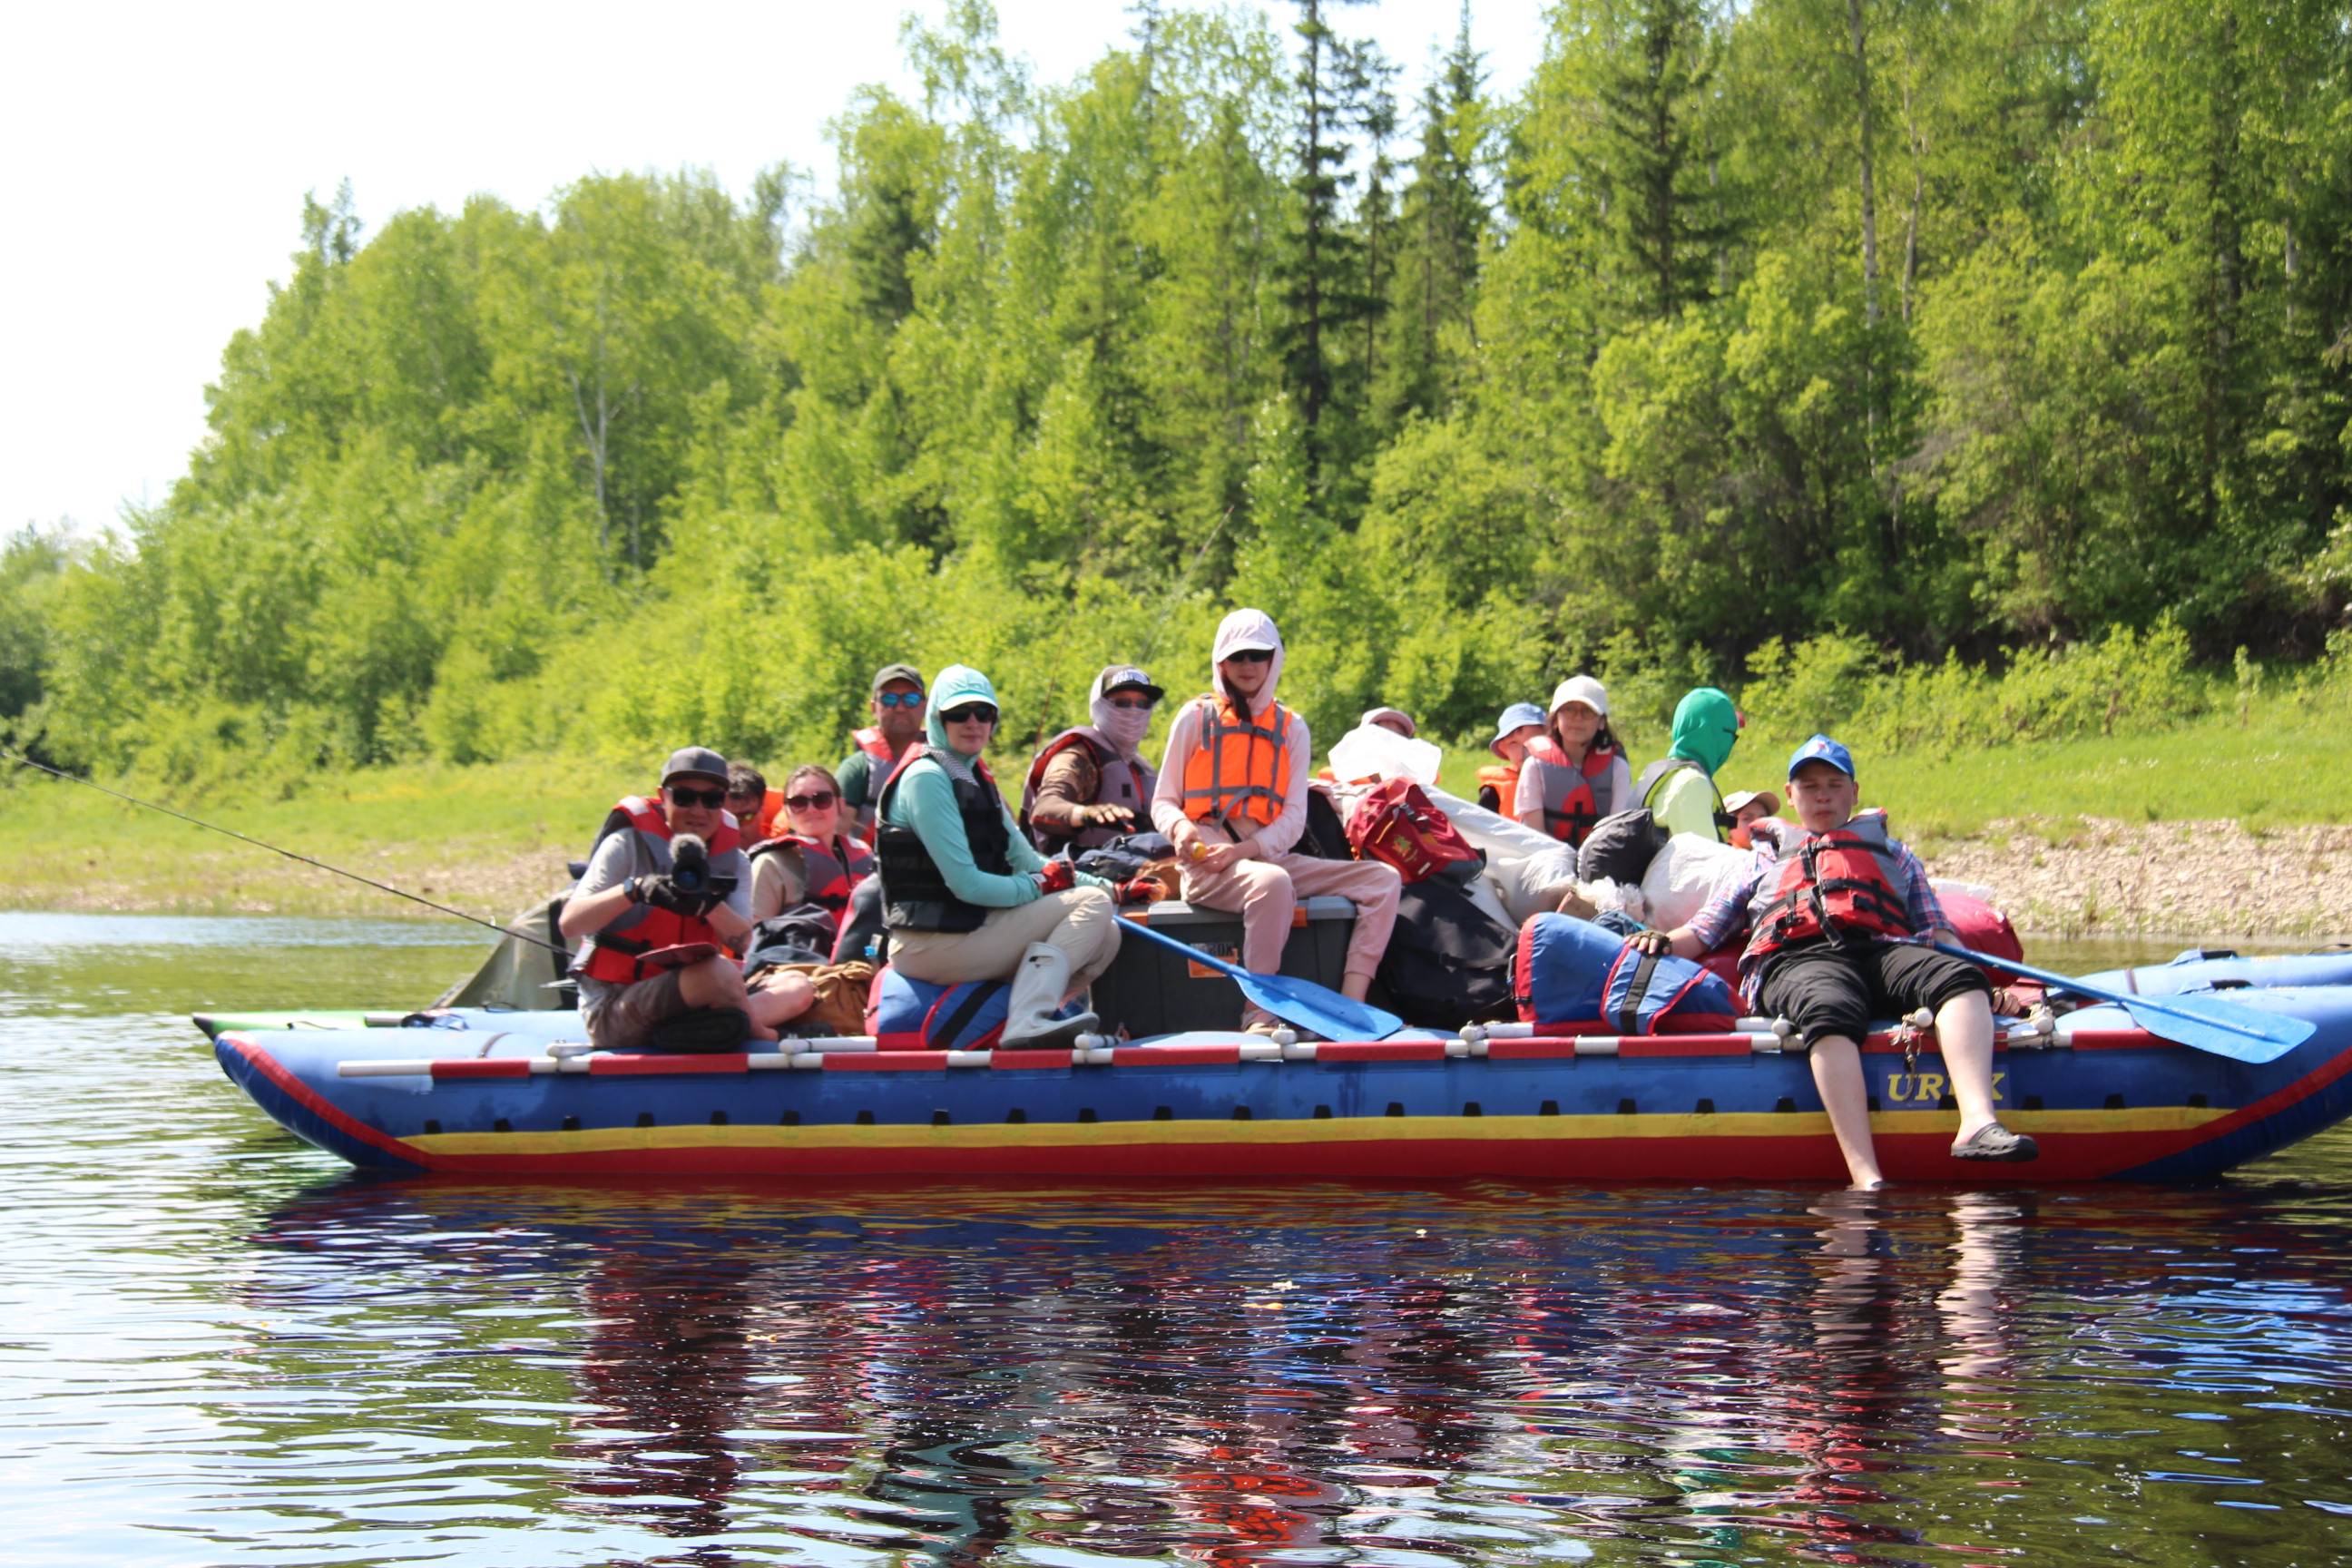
(1581, 688)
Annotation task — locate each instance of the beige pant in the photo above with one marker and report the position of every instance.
(1082, 922)
(1266, 894)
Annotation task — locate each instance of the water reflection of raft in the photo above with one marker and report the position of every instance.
(500, 1093)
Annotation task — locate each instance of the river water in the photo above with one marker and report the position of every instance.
(216, 1346)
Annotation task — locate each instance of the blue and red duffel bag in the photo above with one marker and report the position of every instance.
(904, 1013)
(1571, 972)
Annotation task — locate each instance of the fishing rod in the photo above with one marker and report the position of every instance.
(380, 887)
(1169, 606)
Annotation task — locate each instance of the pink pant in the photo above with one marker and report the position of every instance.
(1266, 892)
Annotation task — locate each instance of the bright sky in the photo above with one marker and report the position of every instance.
(162, 152)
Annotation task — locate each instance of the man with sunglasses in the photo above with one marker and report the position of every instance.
(631, 915)
(1091, 783)
(897, 708)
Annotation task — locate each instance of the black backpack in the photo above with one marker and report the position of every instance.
(1449, 962)
(1620, 847)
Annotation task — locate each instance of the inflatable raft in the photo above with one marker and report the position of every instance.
(520, 1094)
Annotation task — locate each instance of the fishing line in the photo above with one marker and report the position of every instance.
(290, 854)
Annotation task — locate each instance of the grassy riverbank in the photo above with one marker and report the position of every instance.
(2227, 823)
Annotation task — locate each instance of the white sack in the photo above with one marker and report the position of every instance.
(1371, 751)
(1691, 870)
(1531, 884)
(1501, 837)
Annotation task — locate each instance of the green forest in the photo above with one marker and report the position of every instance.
(1972, 363)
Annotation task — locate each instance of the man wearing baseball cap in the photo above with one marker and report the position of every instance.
(1090, 784)
(1839, 920)
(665, 885)
(897, 703)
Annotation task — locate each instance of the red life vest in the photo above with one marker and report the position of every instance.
(1123, 783)
(1238, 770)
(870, 742)
(613, 954)
(1575, 796)
(1846, 884)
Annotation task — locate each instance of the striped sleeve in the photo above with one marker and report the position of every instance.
(1726, 912)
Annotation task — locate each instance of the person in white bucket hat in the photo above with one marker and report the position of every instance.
(1575, 772)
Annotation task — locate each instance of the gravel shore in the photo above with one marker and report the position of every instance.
(2097, 875)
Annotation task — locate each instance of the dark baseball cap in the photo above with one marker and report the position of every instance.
(890, 672)
(1127, 678)
(693, 761)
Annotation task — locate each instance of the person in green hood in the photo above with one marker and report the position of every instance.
(1679, 788)
(965, 896)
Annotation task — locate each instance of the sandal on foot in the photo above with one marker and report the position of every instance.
(1994, 1141)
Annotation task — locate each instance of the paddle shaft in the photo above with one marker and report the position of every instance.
(2101, 993)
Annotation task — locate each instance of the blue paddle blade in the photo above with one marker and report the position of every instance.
(2224, 1028)
(1317, 1010)
(1310, 1006)
(2202, 1022)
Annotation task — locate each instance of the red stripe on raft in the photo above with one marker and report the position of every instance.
(2115, 1040)
(2271, 1104)
(629, 1066)
(303, 1094)
(1381, 1051)
(1529, 1050)
(475, 1066)
(1001, 1057)
(885, 1061)
(1175, 1056)
(1687, 1045)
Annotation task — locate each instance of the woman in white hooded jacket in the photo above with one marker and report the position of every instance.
(1232, 797)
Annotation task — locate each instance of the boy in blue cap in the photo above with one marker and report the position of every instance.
(1840, 919)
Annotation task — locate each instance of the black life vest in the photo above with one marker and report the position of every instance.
(1848, 884)
(1664, 768)
(1124, 783)
(915, 893)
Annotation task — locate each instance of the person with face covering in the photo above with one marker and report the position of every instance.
(1091, 783)
(1575, 772)
(965, 896)
(1233, 799)
(1679, 788)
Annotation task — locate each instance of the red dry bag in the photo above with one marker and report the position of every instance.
(1396, 823)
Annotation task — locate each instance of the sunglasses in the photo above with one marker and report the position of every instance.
(969, 713)
(711, 798)
(899, 699)
(1131, 702)
(817, 802)
(1250, 656)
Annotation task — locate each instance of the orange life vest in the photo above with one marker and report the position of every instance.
(1844, 884)
(1239, 768)
(614, 953)
(764, 820)
(1502, 778)
(1575, 797)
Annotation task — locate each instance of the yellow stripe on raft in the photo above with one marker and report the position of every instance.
(1301, 1130)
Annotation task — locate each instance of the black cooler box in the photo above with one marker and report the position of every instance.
(1153, 990)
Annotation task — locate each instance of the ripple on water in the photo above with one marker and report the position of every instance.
(218, 1347)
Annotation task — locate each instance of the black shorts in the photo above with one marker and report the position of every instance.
(1825, 990)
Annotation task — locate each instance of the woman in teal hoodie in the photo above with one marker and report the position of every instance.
(1679, 788)
(964, 894)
